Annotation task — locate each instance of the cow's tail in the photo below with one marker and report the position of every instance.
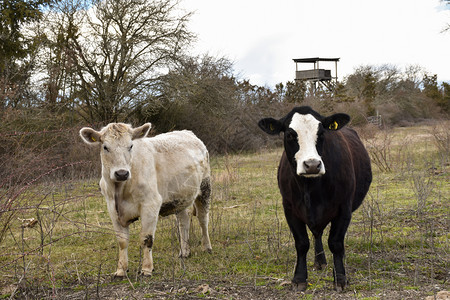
(204, 196)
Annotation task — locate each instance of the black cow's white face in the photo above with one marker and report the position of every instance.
(303, 137)
(307, 159)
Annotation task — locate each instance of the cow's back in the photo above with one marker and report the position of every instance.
(181, 149)
(181, 164)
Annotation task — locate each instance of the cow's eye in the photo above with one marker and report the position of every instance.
(105, 148)
(290, 136)
(129, 148)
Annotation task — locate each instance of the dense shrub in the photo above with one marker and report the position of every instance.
(34, 143)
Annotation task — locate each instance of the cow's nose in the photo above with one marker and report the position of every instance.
(121, 175)
(312, 166)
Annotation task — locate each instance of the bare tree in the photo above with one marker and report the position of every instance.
(200, 95)
(119, 49)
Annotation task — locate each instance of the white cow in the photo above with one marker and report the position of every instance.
(147, 177)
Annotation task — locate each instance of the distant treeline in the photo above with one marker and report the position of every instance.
(64, 64)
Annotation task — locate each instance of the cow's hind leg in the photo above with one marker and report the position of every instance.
(201, 206)
(183, 221)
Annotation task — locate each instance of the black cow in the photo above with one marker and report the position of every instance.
(323, 176)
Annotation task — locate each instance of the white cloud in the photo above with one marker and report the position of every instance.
(262, 37)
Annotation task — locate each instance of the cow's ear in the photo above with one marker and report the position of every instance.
(141, 131)
(90, 136)
(270, 126)
(336, 121)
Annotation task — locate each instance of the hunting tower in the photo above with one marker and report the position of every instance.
(317, 77)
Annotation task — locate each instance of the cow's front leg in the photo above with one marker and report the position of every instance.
(336, 243)
(122, 234)
(320, 261)
(183, 221)
(149, 219)
(301, 239)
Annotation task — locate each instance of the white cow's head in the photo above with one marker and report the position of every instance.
(303, 137)
(116, 140)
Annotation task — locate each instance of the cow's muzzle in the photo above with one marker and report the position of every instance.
(121, 175)
(312, 167)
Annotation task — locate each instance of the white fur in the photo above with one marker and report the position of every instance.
(162, 169)
(306, 127)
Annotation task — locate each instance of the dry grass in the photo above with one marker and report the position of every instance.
(397, 244)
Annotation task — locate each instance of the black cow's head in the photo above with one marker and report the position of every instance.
(303, 130)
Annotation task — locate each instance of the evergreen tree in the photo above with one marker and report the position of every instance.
(15, 47)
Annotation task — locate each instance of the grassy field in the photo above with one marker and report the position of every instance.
(57, 239)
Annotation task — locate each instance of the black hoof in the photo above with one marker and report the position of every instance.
(318, 266)
(299, 287)
(340, 283)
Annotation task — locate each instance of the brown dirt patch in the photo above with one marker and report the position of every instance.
(147, 289)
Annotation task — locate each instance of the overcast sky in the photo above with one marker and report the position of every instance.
(262, 37)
